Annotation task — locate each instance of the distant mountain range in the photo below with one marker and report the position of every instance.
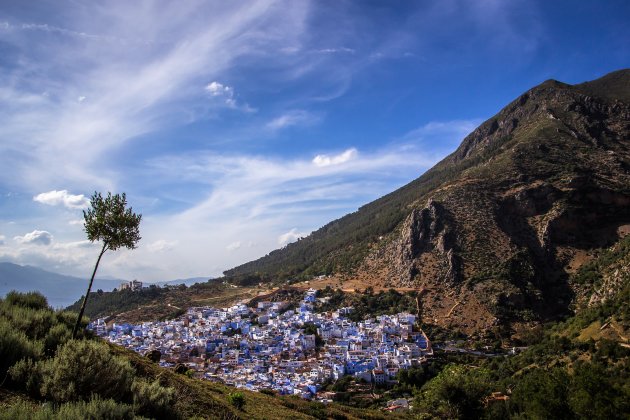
(59, 289)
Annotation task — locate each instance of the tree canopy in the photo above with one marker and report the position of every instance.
(110, 221)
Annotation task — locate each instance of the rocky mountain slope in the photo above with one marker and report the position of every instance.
(493, 234)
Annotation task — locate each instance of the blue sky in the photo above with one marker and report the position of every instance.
(236, 127)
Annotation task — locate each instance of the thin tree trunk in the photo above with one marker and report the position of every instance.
(76, 326)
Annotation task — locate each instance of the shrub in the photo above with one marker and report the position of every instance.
(33, 300)
(82, 368)
(152, 399)
(94, 409)
(237, 399)
(15, 345)
(35, 323)
(56, 336)
(26, 375)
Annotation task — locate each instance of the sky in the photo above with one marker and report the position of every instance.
(236, 127)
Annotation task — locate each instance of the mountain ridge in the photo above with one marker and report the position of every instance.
(504, 220)
(61, 290)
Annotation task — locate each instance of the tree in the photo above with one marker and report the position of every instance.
(108, 220)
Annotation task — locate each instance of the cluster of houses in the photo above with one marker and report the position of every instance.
(291, 351)
(131, 285)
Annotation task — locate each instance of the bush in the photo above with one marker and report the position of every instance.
(33, 300)
(14, 346)
(56, 336)
(26, 375)
(237, 399)
(94, 409)
(82, 368)
(152, 399)
(35, 323)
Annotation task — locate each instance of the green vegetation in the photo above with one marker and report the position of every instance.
(590, 274)
(237, 399)
(561, 376)
(110, 221)
(111, 303)
(79, 376)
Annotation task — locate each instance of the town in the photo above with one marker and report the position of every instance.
(290, 351)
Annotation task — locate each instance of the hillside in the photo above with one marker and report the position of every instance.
(153, 303)
(48, 375)
(492, 234)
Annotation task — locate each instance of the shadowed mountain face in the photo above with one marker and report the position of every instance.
(492, 232)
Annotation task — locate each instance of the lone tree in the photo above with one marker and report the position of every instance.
(108, 220)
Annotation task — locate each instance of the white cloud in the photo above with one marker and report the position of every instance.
(54, 198)
(293, 118)
(2, 238)
(290, 236)
(226, 93)
(162, 245)
(36, 237)
(328, 160)
(233, 246)
(219, 89)
(77, 222)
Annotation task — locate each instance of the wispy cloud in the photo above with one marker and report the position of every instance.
(129, 75)
(268, 202)
(337, 50)
(233, 246)
(291, 118)
(162, 245)
(248, 204)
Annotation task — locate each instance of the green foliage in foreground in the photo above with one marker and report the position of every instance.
(78, 378)
(80, 410)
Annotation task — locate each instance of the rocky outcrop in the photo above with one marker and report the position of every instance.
(427, 230)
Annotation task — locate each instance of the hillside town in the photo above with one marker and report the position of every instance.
(273, 346)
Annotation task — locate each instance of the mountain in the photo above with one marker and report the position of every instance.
(59, 289)
(493, 235)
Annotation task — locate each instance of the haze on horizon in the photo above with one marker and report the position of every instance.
(237, 127)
